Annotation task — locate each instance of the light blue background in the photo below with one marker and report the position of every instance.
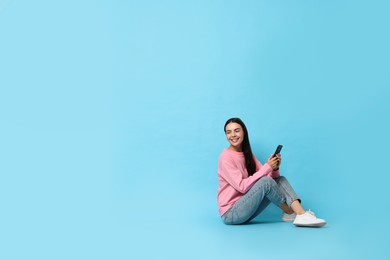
(112, 118)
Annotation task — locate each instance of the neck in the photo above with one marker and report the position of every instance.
(236, 149)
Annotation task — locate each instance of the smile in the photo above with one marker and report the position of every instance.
(234, 140)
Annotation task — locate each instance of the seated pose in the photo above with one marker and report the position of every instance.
(246, 187)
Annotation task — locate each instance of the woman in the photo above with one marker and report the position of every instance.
(246, 187)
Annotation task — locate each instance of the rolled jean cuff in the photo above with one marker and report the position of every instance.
(290, 200)
(288, 192)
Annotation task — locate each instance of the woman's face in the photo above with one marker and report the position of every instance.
(235, 136)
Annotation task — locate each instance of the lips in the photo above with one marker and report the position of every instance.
(234, 140)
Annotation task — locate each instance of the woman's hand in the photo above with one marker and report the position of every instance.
(274, 161)
(279, 159)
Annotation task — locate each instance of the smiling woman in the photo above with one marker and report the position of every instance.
(234, 134)
(246, 187)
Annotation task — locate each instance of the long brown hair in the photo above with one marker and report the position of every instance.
(246, 146)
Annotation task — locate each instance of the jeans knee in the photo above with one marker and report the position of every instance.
(266, 179)
(263, 180)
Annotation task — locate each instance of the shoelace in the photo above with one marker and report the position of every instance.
(311, 212)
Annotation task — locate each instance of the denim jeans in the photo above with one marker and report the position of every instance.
(262, 193)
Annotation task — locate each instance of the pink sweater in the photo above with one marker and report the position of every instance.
(233, 178)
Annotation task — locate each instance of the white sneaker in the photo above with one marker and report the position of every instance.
(288, 217)
(308, 219)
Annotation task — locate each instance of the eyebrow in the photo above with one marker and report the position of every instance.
(233, 129)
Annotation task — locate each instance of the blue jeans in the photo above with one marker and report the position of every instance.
(264, 191)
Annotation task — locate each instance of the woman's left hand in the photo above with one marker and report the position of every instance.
(279, 156)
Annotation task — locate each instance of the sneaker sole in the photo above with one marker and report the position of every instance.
(310, 225)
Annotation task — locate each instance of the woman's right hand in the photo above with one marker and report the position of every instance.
(273, 161)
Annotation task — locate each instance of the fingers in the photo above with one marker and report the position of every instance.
(278, 160)
(272, 159)
(273, 162)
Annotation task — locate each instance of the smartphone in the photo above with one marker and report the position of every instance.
(278, 149)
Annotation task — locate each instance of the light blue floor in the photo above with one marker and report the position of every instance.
(190, 228)
(198, 233)
(178, 228)
(171, 229)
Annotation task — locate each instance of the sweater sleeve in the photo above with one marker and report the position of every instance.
(234, 176)
(272, 174)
